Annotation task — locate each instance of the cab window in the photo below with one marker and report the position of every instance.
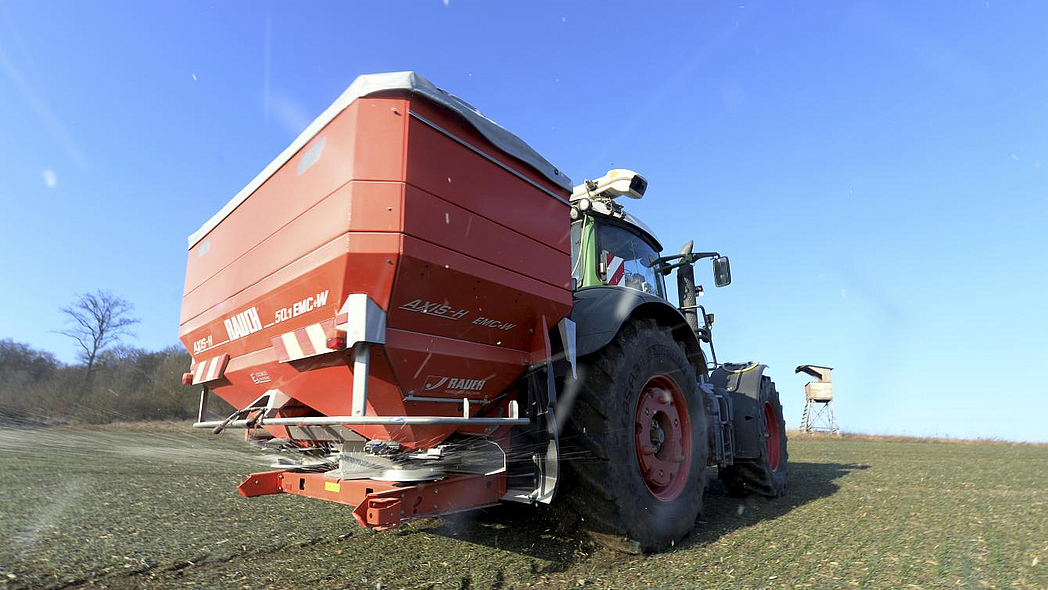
(628, 259)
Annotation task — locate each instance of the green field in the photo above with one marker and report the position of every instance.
(156, 507)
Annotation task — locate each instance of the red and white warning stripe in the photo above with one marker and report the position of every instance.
(616, 272)
(210, 369)
(305, 342)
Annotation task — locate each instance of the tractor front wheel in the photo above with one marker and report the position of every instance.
(637, 438)
(765, 475)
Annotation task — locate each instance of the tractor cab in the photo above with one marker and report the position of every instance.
(612, 248)
(608, 245)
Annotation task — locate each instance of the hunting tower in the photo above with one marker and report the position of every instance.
(819, 414)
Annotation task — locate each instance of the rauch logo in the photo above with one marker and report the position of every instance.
(243, 323)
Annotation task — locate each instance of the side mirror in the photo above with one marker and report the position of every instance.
(721, 271)
(709, 319)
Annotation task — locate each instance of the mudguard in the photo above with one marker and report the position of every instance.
(743, 383)
(599, 312)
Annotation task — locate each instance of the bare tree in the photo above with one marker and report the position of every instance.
(96, 321)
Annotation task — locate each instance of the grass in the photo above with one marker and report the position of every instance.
(156, 507)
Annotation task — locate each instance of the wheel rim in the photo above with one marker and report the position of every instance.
(662, 434)
(772, 443)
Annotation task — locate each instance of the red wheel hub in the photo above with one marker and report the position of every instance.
(772, 443)
(662, 436)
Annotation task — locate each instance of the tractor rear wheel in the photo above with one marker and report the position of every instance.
(636, 438)
(765, 475)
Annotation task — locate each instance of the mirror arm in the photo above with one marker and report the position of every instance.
(701, 255)
(668, 263)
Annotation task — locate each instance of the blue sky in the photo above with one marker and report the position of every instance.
(876, 171)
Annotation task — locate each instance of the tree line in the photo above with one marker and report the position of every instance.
(126, 383)
(111, 382)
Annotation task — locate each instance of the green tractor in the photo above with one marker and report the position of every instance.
(647, 410)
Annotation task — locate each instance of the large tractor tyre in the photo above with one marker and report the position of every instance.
(765, 475)
(636, 439)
